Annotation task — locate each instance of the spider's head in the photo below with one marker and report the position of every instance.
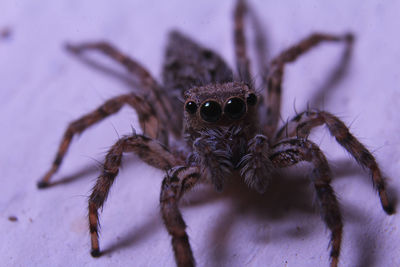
(220, 105)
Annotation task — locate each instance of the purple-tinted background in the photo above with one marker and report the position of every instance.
(42, 88)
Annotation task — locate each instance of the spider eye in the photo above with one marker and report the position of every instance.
(210, 111)
(191, 107)
(235, 108)
(251, 99)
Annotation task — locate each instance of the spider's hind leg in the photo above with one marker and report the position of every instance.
(244, 14)
(147, 118)
(273, 101)
(303, 123)
(242, 59)
(153, 91)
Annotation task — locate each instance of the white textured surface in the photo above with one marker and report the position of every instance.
(42, 88)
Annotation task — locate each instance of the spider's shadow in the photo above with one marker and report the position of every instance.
(288, 196)
(123, 76)
(334, 78)
(150, 226)
(88, 170)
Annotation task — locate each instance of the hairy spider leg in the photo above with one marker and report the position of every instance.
(147, 118)
(301, 126)
(273, 101)
(149, 150)
(153, 90)
(179, 180)
(292, 151)
(242, 59)
(241, 12)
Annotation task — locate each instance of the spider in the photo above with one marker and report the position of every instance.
(202, 124)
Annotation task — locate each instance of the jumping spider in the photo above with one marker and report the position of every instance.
(222, 132)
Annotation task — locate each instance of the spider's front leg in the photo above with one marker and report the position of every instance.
(179, 180)
(149, 150)
(292, 151)
(303, 123)
(147, 117)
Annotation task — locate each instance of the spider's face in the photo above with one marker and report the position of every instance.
(219, 105)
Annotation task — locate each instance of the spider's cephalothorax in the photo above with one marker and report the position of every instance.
(220, 119)
(216, 132)
(220, 105)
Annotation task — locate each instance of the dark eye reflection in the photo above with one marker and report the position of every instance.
(235, 108)
(191, 107)
(251, 99)
(210, 111)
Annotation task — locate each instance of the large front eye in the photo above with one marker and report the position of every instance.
(235, 108)
(210, 111)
